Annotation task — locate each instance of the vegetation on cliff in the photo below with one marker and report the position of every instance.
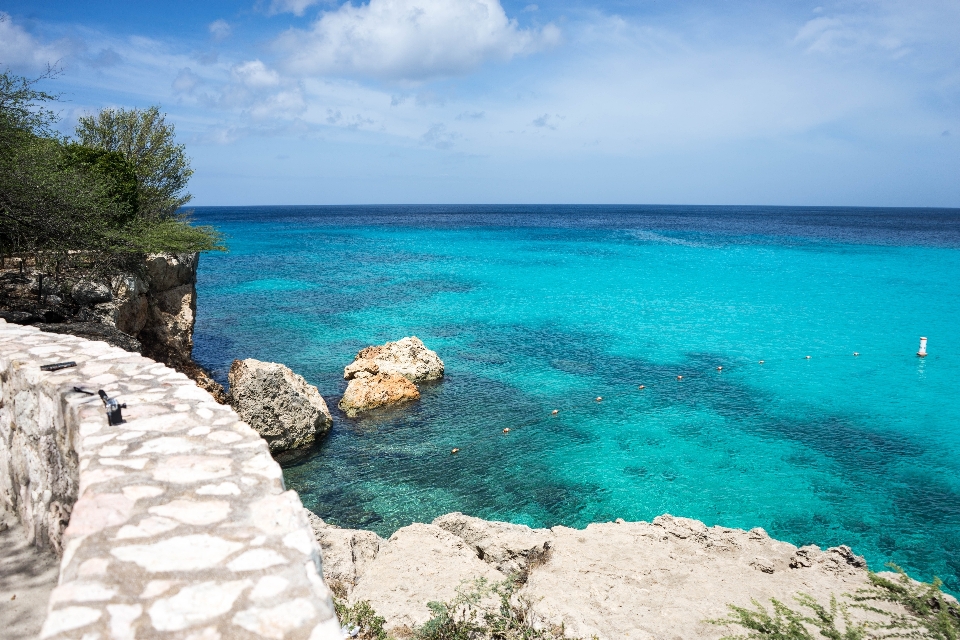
(920, 610)
(104, 199)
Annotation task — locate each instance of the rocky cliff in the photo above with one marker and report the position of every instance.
(660, 579)
(150, 310)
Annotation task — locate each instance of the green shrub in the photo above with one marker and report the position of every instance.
(929, 613)
(484, 610)
(787, 624)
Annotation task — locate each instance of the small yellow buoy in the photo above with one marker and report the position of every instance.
(599, 398)
(554, 412)
(454, 450)
(507, 430)
(641, 387)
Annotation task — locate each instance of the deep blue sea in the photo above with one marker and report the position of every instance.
(536, 308)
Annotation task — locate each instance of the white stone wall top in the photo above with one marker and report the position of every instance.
(181, 526)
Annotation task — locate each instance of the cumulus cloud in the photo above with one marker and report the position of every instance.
(220, 30)
(256, 75)
(19, 49)
(410, 39)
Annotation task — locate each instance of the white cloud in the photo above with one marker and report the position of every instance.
(411, 39)
(296, 7)
(256, 75)
(19, 49)
(220, 30)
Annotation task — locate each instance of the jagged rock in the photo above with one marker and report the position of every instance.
(87, 293)
(347, 553)
(93, 331)
(511, 548)
(613, 580)
(368, 391)
(418, 564)
(278, 403)
(408, 357)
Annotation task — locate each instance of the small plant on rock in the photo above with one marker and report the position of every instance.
(359, 620)
(787, 624)
(484, 610)
(930, 612)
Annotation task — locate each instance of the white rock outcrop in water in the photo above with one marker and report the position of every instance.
(366, 392)
(407, 357)
(384, 375)
(283, 408)
(660, 579)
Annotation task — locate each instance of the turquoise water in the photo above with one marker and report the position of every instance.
(541, 308)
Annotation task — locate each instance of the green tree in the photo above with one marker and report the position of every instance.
(46, 201)
(148, 143)
(88, 203)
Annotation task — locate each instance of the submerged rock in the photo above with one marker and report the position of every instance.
(368, 391)
(408, 357)
(278, 403)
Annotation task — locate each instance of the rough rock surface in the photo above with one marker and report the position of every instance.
(94, 331)
(510, 548)
(407, 357)
(283, 408)
(613, 580)
(367, 391)
(86, 293)
(416, 565)
(346, 553)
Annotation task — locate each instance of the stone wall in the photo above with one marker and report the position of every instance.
(177, 524)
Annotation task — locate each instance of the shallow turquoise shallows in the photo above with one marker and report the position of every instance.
(541, 308)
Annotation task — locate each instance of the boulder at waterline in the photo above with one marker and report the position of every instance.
(368, 391)
(346, 553)
(283, 408)
(408, 357)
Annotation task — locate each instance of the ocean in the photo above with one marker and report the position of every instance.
(542, 308)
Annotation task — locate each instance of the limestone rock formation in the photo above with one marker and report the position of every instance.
(368, 391)
(418, 564)
(612, 580)
(384, 375)
(408, 357)
(511, 548)
(347, 553)
(278, 403)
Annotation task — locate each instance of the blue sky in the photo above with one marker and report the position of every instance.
(487, 101)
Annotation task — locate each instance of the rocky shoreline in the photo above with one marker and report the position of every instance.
(643, 580)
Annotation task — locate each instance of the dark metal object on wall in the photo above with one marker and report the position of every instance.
(114, 413)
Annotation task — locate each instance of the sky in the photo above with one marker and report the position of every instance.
(847, 103)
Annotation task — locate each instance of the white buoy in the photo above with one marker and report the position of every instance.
(923, 347)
